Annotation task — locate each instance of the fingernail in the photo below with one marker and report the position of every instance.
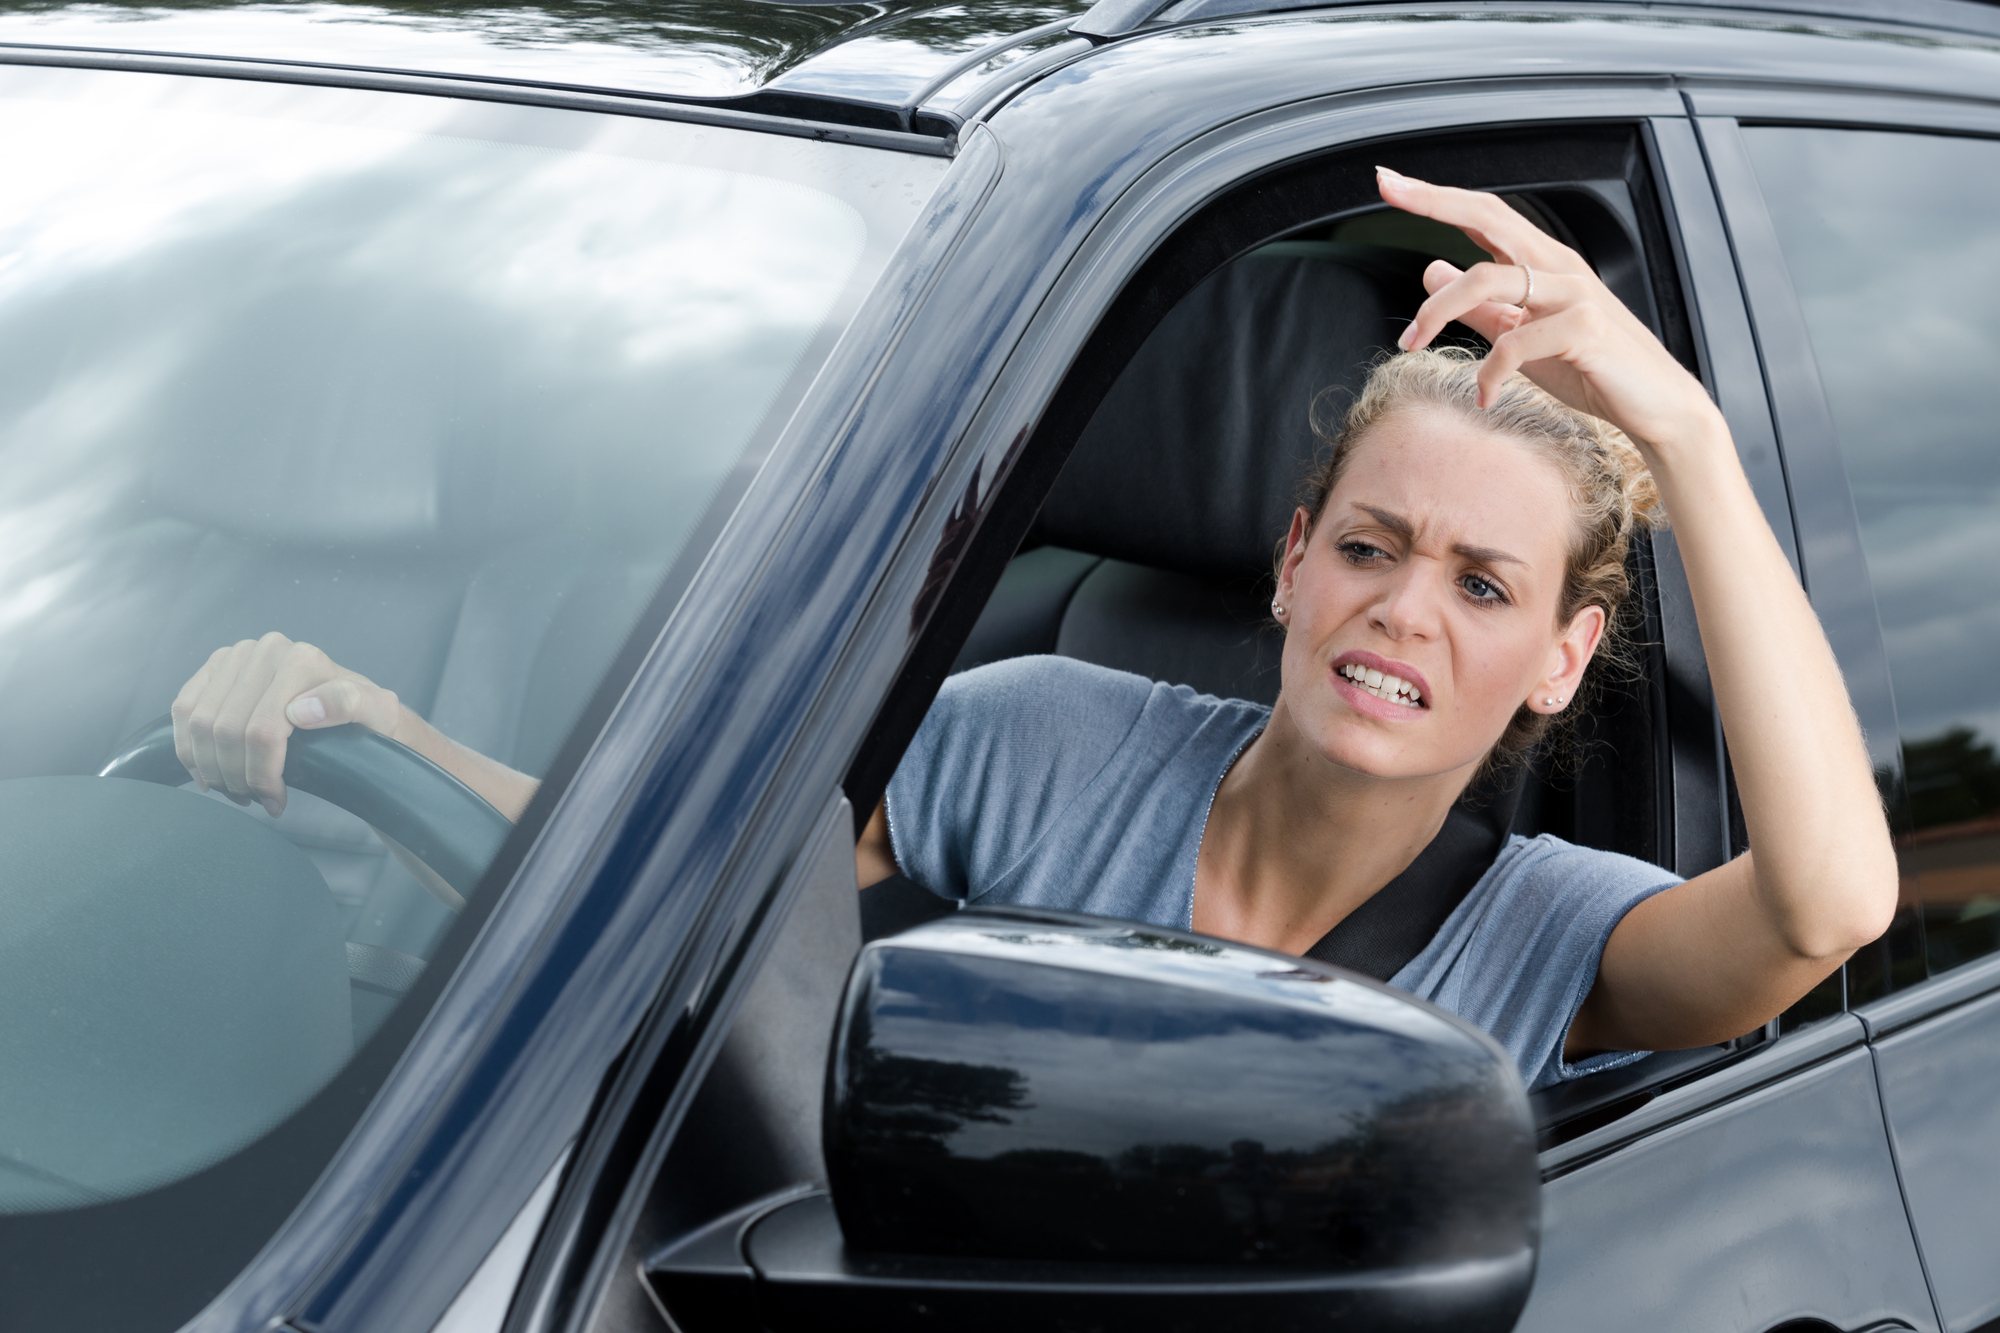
(1393, 177)
(1407, 336)
(306, 711)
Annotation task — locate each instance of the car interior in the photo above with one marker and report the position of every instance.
(486, 607)
(1153, 552)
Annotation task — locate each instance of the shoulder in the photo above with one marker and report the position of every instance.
(1062, 720)
(1547, 890)
(1521, 952)
(1046, 690)
(1006, 743)
(1549, 867)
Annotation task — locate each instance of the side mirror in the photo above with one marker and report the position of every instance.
(1044, 1120)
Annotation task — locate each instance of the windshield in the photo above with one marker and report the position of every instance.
(453, 391)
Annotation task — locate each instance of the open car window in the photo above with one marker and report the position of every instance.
(458, 393)
(1153, 551)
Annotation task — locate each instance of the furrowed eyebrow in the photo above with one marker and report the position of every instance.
(1402, 527)
(1486, 555)
(1396, 523)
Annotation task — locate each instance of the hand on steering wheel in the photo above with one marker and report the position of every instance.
(234, 716)
(1548, 316)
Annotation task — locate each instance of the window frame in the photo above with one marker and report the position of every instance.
(1692, 790)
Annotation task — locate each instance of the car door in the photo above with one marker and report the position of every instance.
(1874, 224)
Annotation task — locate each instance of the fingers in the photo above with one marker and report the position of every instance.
(231, 714)
(1487, 294)
(183, 708)
(234, 718)
(1566, 335)
(328, 705)
(1489, 319)
(1485, 218)
(249, 731)
(204, 710)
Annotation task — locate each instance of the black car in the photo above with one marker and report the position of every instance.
(664, 399)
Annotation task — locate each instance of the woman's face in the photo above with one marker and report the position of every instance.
(1438, 562)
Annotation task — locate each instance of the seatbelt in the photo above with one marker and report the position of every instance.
(1383, 934)
(1376, 939)
(898, 903)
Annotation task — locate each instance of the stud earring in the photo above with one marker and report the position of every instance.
(1548, 702)
(1276, 609)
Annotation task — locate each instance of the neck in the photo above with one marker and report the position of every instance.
(1295, 842)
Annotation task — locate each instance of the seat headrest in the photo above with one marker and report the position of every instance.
(1194, 460)
(347, 464)
(322, 424)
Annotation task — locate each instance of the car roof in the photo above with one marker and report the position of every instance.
(875, 64)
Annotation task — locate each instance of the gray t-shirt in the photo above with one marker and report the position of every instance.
(1048, 782)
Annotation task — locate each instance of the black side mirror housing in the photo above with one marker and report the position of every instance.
(1039, 1119)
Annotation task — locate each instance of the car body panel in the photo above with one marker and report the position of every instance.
(1941, 1090)
(1726, 1221)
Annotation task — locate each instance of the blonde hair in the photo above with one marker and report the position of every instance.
(1612, 494)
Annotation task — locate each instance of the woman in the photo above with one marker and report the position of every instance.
(1442, 599)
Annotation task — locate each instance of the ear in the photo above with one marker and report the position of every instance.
(1571, 654)
(1295, 551)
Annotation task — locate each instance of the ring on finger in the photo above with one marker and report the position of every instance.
(1529, 294)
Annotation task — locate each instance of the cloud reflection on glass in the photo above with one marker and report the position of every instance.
(1887, 238)
(443, 388)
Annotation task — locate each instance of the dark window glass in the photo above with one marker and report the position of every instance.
(1893, 242)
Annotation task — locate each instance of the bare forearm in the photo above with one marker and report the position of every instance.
(1825, 871)
(503, 788)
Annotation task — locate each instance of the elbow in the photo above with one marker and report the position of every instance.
(1834, 941)
(1848, 914)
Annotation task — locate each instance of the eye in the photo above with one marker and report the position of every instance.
(1480, 590)
(1361, 553)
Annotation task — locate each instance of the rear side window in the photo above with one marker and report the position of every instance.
(1893, 242)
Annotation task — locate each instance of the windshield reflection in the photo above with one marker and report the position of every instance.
(443, 390)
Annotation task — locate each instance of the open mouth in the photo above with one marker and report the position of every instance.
(1392, 688)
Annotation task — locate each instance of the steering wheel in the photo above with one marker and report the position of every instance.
(435, 817)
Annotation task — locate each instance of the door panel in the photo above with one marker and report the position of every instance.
(1941, 1085)
(1780, 1205)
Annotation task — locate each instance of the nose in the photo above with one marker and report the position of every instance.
(1409, 607)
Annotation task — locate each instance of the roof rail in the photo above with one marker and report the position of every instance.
(1108, 20)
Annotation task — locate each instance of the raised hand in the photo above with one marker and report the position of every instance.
(233, 718)
(1561, 327)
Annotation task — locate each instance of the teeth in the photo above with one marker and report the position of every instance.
(1393, 688)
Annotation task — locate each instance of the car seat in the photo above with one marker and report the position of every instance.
(488, 581)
